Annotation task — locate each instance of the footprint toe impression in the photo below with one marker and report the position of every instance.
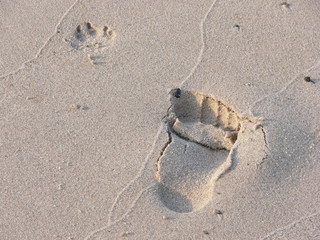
(202, 132)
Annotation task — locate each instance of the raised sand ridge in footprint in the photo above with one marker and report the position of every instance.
(202, 131)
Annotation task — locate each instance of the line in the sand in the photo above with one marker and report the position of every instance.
(110, 221)
(295, 79)
(44, 45)
(199, 59)
(109, 224)
(290, 225)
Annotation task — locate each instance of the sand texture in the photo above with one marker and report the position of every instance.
(160, 119)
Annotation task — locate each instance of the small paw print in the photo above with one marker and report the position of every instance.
(92, 40)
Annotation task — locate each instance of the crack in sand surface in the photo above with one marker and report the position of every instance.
(164, 149)
(265, 137)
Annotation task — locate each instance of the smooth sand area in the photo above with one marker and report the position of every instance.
(160, 119)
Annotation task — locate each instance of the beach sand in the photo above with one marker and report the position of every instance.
(160, 120)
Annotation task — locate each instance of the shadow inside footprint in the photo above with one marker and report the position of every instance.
(174, 200)
(203, 131)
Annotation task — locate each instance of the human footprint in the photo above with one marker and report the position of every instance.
(202, 131)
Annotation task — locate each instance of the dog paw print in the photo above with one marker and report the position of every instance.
(91, 39)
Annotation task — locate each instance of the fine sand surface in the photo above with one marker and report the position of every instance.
(160, 119)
